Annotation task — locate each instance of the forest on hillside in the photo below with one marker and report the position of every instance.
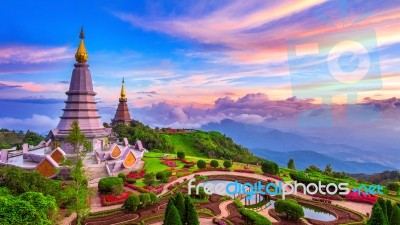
(12, 138)
(197, 143)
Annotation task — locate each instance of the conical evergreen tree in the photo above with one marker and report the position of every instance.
(377, 217)
(389, 209)
(395, 217)
(172, 217)
(382, 204)
(191, 214)
(180, 206)
(169, 206)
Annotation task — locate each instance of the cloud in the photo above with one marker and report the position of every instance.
(33, 100)
(251, 108)
(40, 123)
(5, 86)
(147, 92)
(26, 54)
(34, 87)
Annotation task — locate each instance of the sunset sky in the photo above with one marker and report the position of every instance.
(185, 61)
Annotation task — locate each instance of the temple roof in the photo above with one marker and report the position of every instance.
(122, 114)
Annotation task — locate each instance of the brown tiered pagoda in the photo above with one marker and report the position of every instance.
(122, 114)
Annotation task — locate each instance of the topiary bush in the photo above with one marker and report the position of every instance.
(109, 184)
(145, 199)
(270, 167)
(291, 208)
(122, 176)
(214, 163)
(160, 175)
(130, 180)
(132, 203)
(201, 164)
(227, 164)
(180, 155)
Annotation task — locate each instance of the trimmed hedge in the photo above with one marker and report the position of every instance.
(108, 184)
(291, 208)
(251, 217)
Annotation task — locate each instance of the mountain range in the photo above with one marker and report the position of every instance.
(280, 146)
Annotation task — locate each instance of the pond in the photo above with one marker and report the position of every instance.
(309, 211)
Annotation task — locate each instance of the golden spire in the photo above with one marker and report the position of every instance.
(123, 93)
(81, 55)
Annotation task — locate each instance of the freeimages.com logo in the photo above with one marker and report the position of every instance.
(344, 61)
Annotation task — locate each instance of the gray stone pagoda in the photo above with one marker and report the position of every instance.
(80, 106)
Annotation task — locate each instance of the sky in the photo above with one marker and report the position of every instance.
(188, 63)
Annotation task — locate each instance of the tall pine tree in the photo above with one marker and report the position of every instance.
(291, 164)
(191, 214)
(389, 209)
(172, 217)
(395, 217)
(169, 206)
(180, 206)
(377, 217)
(382, 204)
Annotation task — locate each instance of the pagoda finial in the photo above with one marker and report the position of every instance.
(123, 93)
(81, 55)
(82, 35)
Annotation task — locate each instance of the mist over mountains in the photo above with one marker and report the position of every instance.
(280, 146)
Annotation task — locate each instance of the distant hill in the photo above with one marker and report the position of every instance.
(304, 159)
(259, 137)
(379, 178)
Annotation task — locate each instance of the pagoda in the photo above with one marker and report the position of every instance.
(80, 106)
(122, 114)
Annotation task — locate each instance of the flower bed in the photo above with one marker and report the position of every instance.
(136, 175)
(111, 199)
(273, 176)
(156, 190)
(211, 169)
(188, 162)
(136, 188)
(169, 163)
(244, 171)
(171, 179)
(331, 197)
(362, 197)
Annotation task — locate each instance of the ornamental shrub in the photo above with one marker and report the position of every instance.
(214, 163)
(291, 208)
(201, 164)
(180, 155)
(270, 167)
(122, 176)
(227, 164)
(160, 175)
(130, 180)
(153, 198)
(252, 217)
(145, 199)
(109, 184)
(132, 203)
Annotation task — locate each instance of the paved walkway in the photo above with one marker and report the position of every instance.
(223, 206)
